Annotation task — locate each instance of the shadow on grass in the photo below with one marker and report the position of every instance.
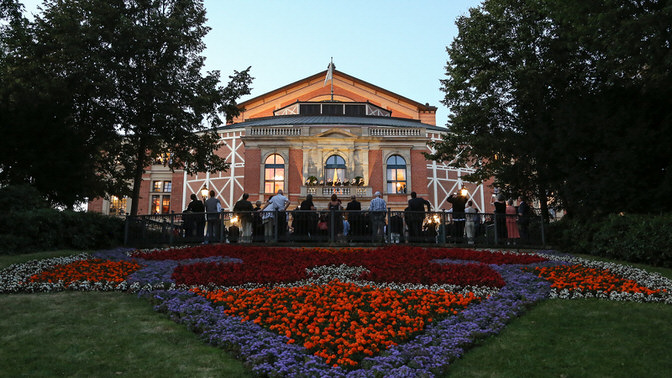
(577, 338)
(89, 334)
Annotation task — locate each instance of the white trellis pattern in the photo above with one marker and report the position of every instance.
(444, 180)
(228, 185)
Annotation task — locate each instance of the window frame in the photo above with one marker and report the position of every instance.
(394, 184)
(337, 168)
(277, 182)
(159, 198)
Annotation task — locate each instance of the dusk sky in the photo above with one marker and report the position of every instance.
(397, 45)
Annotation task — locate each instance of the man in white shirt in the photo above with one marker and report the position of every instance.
(377, 210)
(280, 203)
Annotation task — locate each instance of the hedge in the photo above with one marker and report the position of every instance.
(49, 229)
(636, 238)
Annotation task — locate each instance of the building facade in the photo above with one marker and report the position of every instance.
(344, 136)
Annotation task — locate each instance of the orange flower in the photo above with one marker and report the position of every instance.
(581, 278)
(94, 270)
(313, 316)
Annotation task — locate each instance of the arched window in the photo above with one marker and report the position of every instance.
(396, 174)
(334, 169)
(274, 174)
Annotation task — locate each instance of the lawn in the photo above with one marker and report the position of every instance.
(112, 333)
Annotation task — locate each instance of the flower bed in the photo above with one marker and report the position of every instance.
(356, 312)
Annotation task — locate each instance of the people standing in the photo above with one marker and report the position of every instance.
(353, 209)
(268, 218)
(257, 223)
(307, 218)
(377, 209)
(524, 213)
(195, 220)
(458, 202)
(415, 216)
(335, 217)
(277, 203)
(281, 204)
(243, 209)
(500, 218)
(470, 224)
(213, 207)
(511, 224)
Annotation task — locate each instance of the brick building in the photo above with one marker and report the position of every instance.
(343, 136)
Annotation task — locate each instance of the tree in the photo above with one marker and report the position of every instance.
(128, 73)
(542, 94)
(496, 84)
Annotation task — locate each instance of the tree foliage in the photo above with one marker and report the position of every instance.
(565, 101)
(120, 83)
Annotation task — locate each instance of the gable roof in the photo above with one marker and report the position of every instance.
(346, 88)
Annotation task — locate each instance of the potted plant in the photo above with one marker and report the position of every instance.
(358, 181)
(311, 181)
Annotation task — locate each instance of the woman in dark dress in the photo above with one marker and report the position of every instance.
(335, 204)
(500, 219)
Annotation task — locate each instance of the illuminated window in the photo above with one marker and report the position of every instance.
(164, 159)
(161, 202)
(334, 169)
(274, 174)
(117, 205)
(396, 174)
(162, 186)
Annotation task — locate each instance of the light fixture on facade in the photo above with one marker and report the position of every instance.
(204, 192)
(464, 192)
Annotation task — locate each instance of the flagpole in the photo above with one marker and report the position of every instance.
(332, 80)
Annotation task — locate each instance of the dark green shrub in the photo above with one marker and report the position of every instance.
(21, 198)
(635, 238)
(49, 229)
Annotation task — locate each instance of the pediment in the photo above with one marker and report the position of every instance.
(335, 133)
(346, 89)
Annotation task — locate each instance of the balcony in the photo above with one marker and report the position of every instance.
(324, 191)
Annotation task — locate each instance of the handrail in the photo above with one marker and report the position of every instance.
(329, 226)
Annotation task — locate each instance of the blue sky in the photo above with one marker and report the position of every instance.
(397, 45)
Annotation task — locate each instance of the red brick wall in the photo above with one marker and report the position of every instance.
(96, 205)
(295, 175)
(143, 201)
(252, 173)
(397, 202)
(176, 192)
(376, 171)
(418, 172)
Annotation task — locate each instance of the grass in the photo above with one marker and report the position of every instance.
(112, 334)
(577, 338)
(7, 260)
(100, 334)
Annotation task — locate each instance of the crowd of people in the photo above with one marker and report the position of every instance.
(272, 221)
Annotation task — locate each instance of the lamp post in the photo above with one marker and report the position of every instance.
(204, 193)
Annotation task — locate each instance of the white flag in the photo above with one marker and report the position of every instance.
(330, 73)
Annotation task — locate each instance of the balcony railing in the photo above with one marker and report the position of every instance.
(325, 191)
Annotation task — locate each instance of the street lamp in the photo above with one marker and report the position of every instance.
(204, 192)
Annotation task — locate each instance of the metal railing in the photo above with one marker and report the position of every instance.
(337, 227)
